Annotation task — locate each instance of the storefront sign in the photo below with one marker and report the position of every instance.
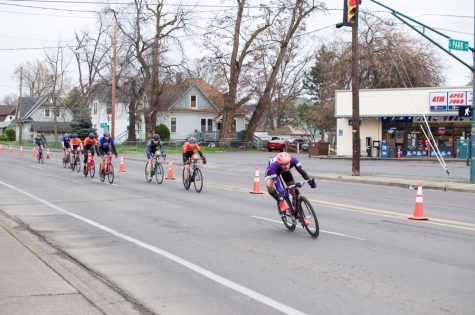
(457, 98)
(438, 101)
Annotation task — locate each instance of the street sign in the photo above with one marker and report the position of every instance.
(458, 45)
(104, 125)
(465, 111)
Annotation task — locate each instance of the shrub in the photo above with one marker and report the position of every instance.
(3, 137)
(163, 131)
(10, 134)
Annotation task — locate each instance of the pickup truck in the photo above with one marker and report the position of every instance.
(275, 143)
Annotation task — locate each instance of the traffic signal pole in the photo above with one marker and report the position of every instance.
(355, 91)
(472, 138)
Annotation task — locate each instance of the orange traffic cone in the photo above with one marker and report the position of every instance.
(33, 154)
(419, 207)
(398, 154)
(47, 154)
(170, 171)
(255, 188)
(121, 165)
(10, 150)
(1, 148)
(21, 151)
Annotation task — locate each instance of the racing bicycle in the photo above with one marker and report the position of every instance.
(299, 210)
(154, 169)
(90, 166)
(107, 169)
(194, 175)
(75, 162)
(40, 156)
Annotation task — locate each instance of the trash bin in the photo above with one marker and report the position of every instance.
(462, 149)
(318, 148)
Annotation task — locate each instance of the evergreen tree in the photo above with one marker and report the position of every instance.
(81, 123)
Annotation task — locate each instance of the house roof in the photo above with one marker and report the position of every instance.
(26, 104)
(288, 130)
(7, 110)
(46, 126)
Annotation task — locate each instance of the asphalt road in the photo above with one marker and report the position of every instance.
(224, 251)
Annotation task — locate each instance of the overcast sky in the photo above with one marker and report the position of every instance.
(27, 27)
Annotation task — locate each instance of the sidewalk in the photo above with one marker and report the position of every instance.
(35, 279)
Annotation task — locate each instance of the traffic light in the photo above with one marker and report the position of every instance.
(349, 12)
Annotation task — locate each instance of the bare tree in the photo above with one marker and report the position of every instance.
(233, 63)
(10, 99)
(36, 78)
(150, 47)
(300, 9)
(57, 65)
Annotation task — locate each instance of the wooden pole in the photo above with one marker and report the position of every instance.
(113, 83)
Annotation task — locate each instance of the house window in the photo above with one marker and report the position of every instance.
(207, 124)
(47, 113)
(234, 126)
(193, 101)
(173, 124)
(94, 105)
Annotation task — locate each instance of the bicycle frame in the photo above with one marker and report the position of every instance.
(106, 162)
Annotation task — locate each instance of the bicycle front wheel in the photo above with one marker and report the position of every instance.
(287, 217)
(198, 179)
(148, 172)
(307, 213)
(159, 173)
(77, 164)
(92, 171)
(110, 174)
(102, 173)
(186, 181)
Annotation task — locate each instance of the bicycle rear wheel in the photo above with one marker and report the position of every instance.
(186, 181)
(287, 217)
(198, 179)
(159, 173)
(148, 172)
(110, 173)
(102, 173)
(307, 212)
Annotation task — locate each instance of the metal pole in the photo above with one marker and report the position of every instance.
(472, 138)
(113, 83)
(355, 86)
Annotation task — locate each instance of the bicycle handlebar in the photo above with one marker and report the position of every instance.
(299, 184)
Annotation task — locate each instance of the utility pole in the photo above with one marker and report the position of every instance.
(350, 18)
(19, 123)
(113, 83)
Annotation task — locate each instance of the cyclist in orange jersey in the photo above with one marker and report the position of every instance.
(188, 150)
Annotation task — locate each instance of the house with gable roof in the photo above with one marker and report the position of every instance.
(194, 106)
(36, 116)
(7, 115)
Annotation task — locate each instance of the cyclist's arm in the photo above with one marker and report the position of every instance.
(161, 148)
(148, 150)
(113, 147)
(302, 172)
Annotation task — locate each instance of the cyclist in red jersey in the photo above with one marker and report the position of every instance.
(188, 150)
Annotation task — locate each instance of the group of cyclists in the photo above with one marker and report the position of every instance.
(72, 144)
(277, 167)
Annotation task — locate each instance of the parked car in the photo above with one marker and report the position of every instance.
(275, 143)
(302, 142)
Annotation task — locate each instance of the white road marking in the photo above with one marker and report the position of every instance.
(40, 168)
(187, 264)
(323, 231)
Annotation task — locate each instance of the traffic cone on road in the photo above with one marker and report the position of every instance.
(10, 150)
(122, 165)
(33, 153)
(419, 206)
(47, 154)
(170, 171)
(256, 189)
(1, 148)
(398, 153)
(21, 151)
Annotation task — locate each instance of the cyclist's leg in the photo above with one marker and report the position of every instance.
(289, 180)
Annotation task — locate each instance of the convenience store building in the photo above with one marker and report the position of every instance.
(395, 116)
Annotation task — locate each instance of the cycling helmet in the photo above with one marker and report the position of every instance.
(66, 135)
(92, 136)
(107, 134)
(192, 140)
(283, 158)
(74, 136)
(156, 137)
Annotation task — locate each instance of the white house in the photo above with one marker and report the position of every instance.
(37, 116)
